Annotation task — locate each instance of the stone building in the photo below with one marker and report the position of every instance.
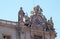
(34, 27)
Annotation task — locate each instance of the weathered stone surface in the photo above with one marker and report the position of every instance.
(28, 27)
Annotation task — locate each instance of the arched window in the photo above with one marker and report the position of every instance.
(6, 37)
(37, 37)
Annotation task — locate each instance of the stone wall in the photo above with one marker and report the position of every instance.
(7, 31)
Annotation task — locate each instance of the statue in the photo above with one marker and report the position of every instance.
(37, 9)
(50, 24)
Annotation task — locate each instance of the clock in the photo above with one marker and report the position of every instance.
(38, 21)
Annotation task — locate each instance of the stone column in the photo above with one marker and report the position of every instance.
(1, 36)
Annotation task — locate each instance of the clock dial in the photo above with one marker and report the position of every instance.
(38, 21)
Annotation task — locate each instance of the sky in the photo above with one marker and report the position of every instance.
(51, 8)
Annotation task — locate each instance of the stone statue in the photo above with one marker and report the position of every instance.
(37, 9)
(50, 21)
(50, 24)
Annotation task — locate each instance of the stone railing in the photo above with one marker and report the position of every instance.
(7, 22)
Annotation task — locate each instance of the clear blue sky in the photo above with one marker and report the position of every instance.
(9, 10)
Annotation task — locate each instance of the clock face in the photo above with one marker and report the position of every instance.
(38, 21)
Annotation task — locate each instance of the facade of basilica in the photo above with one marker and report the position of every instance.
(34, 27)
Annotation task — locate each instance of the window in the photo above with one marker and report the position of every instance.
(6, 37)
(37, 37)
